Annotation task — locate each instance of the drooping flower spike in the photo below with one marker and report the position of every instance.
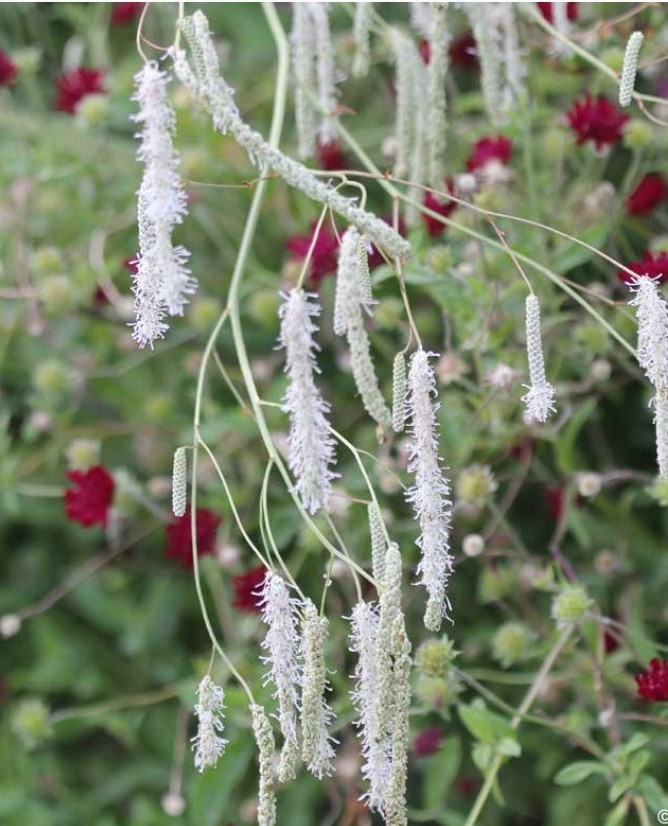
(539, 399)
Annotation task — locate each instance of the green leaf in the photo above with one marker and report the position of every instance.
(573, 255)
(440, 771)
(618, 814)
(578, 771)
(653, 793)
(623, 784)
(508, 747)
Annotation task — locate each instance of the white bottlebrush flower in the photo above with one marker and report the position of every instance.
(489, 56)
(316, 714)
(353, 301)
(279, 613)
(430, 493)
(264, 737)
(627, 81)
(361, 27)
(395, 796)
(207, 743)
(376, 744)
(179, 482)
(410, 77)
(513, 57)
(652, 353)
(326, 73)
(217, 97)
(399, 392)
(390, 609)
(311, 444)
(436, 71)
(539, 399)
(302, 45)
(162, 281)
(422, 19)
(378, 543)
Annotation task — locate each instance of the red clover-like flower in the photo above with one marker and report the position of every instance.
(652, 684)
(597, 120)
(122, 13)
(8, 70)
(490, 148)
(74, 86)
(247, 587)
(651, 189)
(325, 251)
(653, 266)
(89, 501)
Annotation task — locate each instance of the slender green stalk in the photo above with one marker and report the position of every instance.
(527, 702)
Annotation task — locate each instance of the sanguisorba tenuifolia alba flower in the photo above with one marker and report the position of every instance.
(312, 452)
(430, 493)
(539, 399)
(281, 642)
(353, 302)
(264, 738)
(162, 282)
(652, 353)
(207, 743)
(629, 69)
(316, 714)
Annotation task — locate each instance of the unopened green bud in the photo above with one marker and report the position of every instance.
(30, 722)
(570, 606)
(513, 643)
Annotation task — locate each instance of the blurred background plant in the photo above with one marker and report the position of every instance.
(557, 527)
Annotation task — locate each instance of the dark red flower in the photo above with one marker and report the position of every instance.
(611, 641)
(656, 266)
(442, 207)
(651, 189)
(556, 501)
(179, 542)
(325, 251)
(546, 11)
(122, 13)
(463, 51)
(8, 70)
(465, 785)
(652, 684)
(74, 86)
(497, 148)
(246, 587)
(427, 742)
(331, 156)
(596, 120)
(89, 501)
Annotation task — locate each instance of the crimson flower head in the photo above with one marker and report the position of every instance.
(74, 86)
(546, 11)
(331, 156)
(463, 51)
(122, 13)
(88, 502)
(442, 207)
(8, 70)
(596, 120)
(179, 540)
(246, 587)
(427, 742)
(656, 266)
(325, 251)
(491, 148)
(652, 684)
(651, 189)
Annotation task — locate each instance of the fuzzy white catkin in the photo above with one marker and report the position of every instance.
(409, 73)
(652, 317)
(264, 737)
(390, 609)
(361, 32)
(395, 796)
(353, 301)
(436, 71)
(652, 352)
(162, 281)
(430, 493)
(207, 743)
(515, 69)
(378, 543)
(179, 482)
(399, 391)
(216, 96)
(539, 400)
(375, 743)
(316, 714)
(279, 613)
(311, 453)
(629, 69)
(302, 44)
(489, 57)
(327, 93)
